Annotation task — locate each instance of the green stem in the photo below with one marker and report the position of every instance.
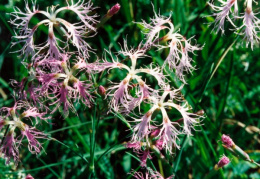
(92, 143)
(76, 152)
(160, 166)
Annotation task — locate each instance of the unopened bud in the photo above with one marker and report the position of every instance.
(222, 162)
(102, 90)
(29, 177)
(227, 141)
(113, 10)
(155, 133)
(200, 112)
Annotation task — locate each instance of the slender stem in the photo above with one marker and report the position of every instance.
(160, 166)
(92, 143)
(256, 163)
(76, 152)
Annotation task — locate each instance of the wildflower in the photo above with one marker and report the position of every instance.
(250, 24)
(222, 162)
(223, 13)
(169, 131)
(144, 156)
(178, 57)
(75, 32)
(32, 134)
(143, 128)
(13, 116)
(9, 148)
(62, 84)
(152, 29)
(120, 92)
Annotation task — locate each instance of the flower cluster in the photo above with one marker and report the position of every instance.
(14, 117)
(52, 80)
(56, 78)
(133, 90)
(250, 26)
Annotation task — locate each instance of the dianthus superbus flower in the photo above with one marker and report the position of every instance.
(62, 84)
(250, 25)
(75, 32)
(14, 117)
(120, 92)
(222, 13)
(180, 48)
(170, 130)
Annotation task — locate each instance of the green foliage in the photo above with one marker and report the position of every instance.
(225, 85)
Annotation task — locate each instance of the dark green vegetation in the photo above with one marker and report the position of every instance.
(225, 85)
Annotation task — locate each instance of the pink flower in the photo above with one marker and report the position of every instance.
(223, 13)
(62, 99)
(157, 24)
(122, 100)
(62, 83)
(169, 133)
(144, 156)
(75, 32)
(32, 134)
(222, 162)
(9, 149)
(120, 96)
(178, 57)
(251, 24)
(227, 141)
(82, 91)
(143, 128)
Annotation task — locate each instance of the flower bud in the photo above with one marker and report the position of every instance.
(155, 133)
(227, 141)
(29, 177)
(222, 162)
(114, 10)
(102, 90)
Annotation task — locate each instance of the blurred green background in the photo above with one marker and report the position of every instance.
(230, 99)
